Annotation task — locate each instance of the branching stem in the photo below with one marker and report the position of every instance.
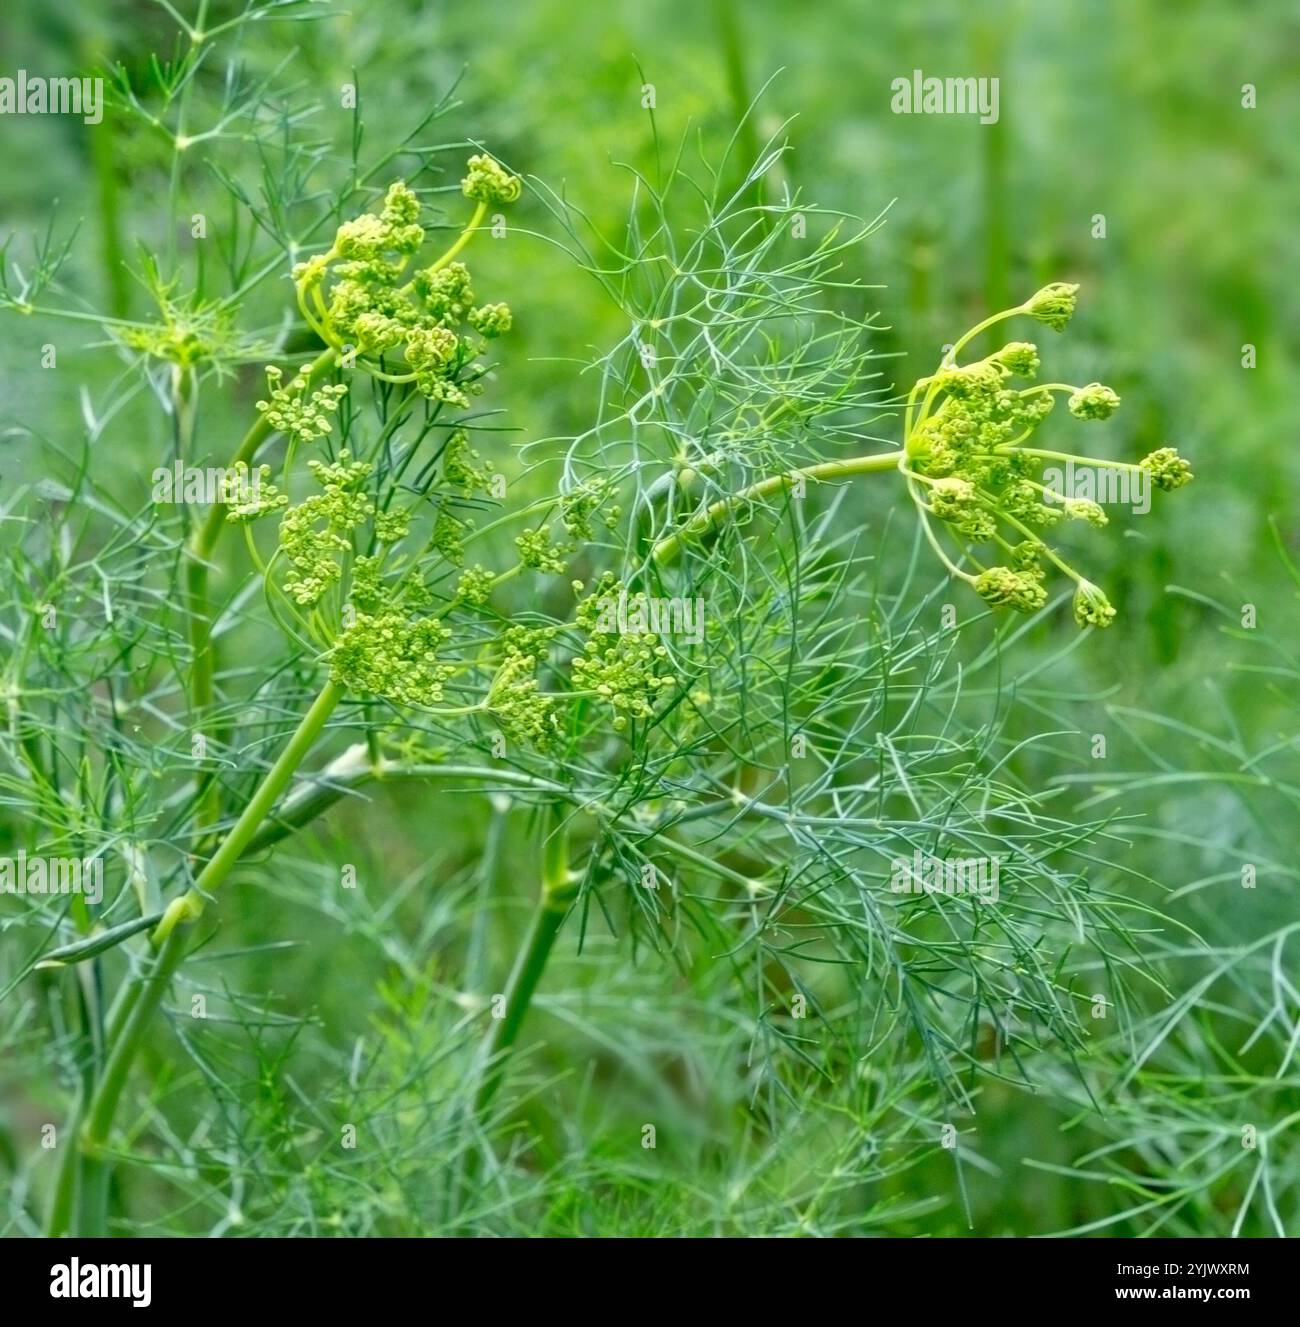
(132, 1019)
(670, 547)
(554, 898)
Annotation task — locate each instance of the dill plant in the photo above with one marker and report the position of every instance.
(741, 795)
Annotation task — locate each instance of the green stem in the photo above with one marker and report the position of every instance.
(933, 540)
(135, 1016)
(552, 907)
(1044, 547)
(991, 321)
(92, 1198)
(997, 246)
(354, 768)
(59, 1220)
(103, 1106)
(464, 238)
(669, 548)
(104, 163)
(71, 1198)
(190, 905)
(359, 765)
(207, 794)
(1067, 456)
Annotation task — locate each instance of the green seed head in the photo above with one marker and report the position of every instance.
(973, 380)
(491, 320)
(489, 182)
(1026, 557)
(1094, 401)
(1084, 509)
(952, 499)
(1019, 357)
(293, 412)
(1167, 469)
(1004, 588)
(1091, 607)
(445, 291)
(1054, 304)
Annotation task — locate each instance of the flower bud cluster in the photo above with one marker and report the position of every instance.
(968, 466)
(296, 411)
(627, 670)
(362, 294)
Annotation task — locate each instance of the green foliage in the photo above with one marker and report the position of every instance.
(489, 526)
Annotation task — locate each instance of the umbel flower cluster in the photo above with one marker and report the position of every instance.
(296, 411)
(968, 468)
(368, 296)
(342, 568)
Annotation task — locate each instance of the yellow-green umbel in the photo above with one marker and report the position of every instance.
(364, 295)
(968, 468)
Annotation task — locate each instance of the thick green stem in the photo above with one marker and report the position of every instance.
(190, 905)
(134, 1016)
(355, 768)
(103, 1107)
(59, 1220)
(552, 907)
(202, 670)
(669, 548)
(92, 1197)
(462, 240)
(358, 766)
(184, 410)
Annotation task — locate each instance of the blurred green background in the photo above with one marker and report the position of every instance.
(1124, 114)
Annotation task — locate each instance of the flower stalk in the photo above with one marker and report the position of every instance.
(557, 892)
(135, 1015)
(964, 464)
(668, 549)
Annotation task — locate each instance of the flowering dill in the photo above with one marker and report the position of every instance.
(297, 411)
(967, 466)
(355, 559)
(362, 296)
